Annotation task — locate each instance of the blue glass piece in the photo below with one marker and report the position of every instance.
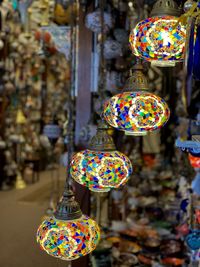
(190, 51)
(196, 184)
(193, 240)
(196, 66)
(184, 204)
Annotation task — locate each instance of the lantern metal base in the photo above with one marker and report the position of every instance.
(159, 63)
(100, 190)
(135, 133)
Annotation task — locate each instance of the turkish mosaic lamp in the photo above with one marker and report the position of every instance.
(101, 167)
(136, 110)
(160, 39)
(68, 235)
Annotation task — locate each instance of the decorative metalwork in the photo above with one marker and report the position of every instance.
(137, 80)
(102, 141)
(166, 7)
(68, 208)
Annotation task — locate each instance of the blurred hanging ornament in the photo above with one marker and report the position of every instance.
(87, 132)
(194, 161)
(20, 119)
(135, 110)
(188, 5)
(113, 81)
(121, 35)
(60, 12)
(160, 39)
(193, 240)
(20, 183)
(112, 49)
(52, 131)
(101, 167)
(63, 11)
(68, 235)
(93, 21)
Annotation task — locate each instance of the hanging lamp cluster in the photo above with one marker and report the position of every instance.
(160, 39)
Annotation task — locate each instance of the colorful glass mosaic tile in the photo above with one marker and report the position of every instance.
(100, 171)
(159, 39)
(136, 112)
(68, 240)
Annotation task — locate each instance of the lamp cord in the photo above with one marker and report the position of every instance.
(70, 112)
(102, 59)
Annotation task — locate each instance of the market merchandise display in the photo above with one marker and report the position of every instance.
(31, 70)
(131, 195)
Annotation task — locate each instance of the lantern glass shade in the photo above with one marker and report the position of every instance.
(100, 171)
(68, 240)
(136, 112)
(160, 40)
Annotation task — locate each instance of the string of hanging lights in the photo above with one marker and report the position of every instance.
(101, 167)
(68, 234)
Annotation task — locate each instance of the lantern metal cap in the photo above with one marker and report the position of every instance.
(137, 80)
(102, 141)
(68, 208)
(166, 7)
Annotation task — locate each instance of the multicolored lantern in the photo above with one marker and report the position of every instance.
(101, 167)
(69, 234)
(160, 39)
(136, 111)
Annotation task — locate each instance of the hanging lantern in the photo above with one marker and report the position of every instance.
(101, 167)
(69, 234)
(63, 11)
(136, 111)
(112, 49)
(93, 21)
(160, 39)
(193, 240)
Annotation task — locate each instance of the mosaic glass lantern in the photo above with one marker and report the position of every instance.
(160, 39)
(69, 234)
(136, 111)
(101, 167)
